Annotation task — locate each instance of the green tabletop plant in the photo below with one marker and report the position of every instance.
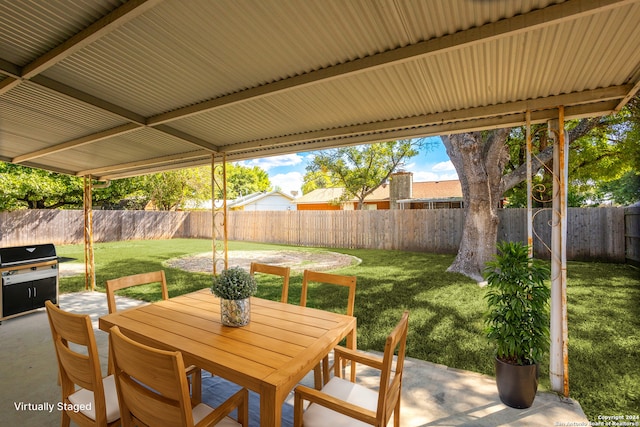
(234, 283)
(234, 286)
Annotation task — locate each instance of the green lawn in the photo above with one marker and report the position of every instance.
(446, 310)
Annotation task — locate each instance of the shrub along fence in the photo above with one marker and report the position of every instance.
(593, 234)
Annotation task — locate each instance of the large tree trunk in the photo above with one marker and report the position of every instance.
(479, 159)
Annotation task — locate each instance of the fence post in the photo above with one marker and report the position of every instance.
(632, 235)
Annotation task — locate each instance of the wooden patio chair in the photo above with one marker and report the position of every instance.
(344, 403)
(153, 390)
(276, 271)
(321, 373)
(88, 399)
(114, 285)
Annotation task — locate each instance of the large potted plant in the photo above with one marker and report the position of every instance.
(234, 287)
(517, 321)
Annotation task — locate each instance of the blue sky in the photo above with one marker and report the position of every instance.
(287, 171)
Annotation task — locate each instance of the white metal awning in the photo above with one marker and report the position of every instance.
(112, 88)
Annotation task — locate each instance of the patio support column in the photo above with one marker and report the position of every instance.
(219, 213)
(559, 360)
(89, 262)
(529, 188)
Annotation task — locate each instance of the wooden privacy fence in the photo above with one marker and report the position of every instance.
(67, 226)
(593, 234)
(632, 235)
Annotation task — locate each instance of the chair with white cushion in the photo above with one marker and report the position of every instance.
(344, 403)
(87, 398)
(153, 390)
(321, 372)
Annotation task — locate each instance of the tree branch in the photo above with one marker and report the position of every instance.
(544, 157)
(520, 174)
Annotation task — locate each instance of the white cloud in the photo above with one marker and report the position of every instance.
(288, 182)
(448, 176)
(442, 171)
(267, 163)
(422, 176)
(443, 167)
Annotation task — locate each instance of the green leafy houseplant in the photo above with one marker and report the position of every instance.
(518, 317)
(234, 283)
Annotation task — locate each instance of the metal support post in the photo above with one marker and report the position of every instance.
(529, 188)
(89, 261)
(219, 213)
(559, 361)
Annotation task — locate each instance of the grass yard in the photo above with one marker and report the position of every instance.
(446, 323)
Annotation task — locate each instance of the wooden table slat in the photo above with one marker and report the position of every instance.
(283, 341)
(170, 341)
(259, 351)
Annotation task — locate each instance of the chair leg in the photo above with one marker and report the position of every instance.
(66, 421)
(396, 413)
(317, 376)
(298, 411)
(196, 387)
(325, 370)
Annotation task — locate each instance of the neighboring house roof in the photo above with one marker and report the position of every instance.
(320, 195)
(434, 190)
(329, 195)
(437, 189)
(254, 197)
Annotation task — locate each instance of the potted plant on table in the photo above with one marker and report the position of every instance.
(517, 321)
(234, 287)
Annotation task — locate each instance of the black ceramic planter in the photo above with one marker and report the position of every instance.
(517, 384)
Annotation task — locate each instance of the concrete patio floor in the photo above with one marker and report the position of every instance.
(433, 395)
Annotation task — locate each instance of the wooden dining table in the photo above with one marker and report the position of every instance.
(271, 355)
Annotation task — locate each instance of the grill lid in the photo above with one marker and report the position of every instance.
(18, 255)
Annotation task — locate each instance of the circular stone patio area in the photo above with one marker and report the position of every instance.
(296, 260)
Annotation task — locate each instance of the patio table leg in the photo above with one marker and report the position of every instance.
(270, 408)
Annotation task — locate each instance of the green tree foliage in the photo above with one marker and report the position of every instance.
(125, 193)
(315, 179)
(29, 188)
(361, 169)
(625, 190)
(603, 163)
(172, 190)
(243, 180)
(179, 189)
(26, 188)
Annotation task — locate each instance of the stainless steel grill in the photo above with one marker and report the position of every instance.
(29, 278)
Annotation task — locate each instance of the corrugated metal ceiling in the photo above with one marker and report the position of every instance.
(116, 89)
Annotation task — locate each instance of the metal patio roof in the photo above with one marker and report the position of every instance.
(112, 89)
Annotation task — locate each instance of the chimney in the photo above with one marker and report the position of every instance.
(401, 187)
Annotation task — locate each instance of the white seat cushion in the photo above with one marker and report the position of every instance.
(202, 410)
(85, 401)
(319, 416)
